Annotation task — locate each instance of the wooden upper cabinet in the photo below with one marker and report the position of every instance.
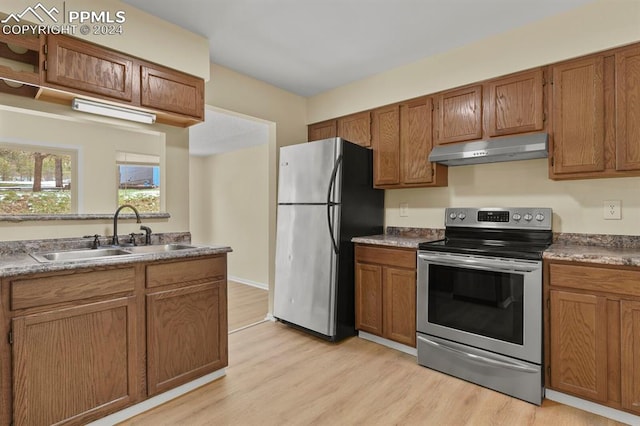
(627, 81)
(323, 130)
(172, 91)
(20, 62)
(385, 140)
(416, 142)
(578, 116)
(578, 325)
(459, 115)
(630, 352)
(356, 128)
(83, 66)
(514, 104)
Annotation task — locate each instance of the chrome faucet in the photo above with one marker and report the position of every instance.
(114, 240)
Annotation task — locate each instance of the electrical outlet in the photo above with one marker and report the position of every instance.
(612, 209)
(404, 209)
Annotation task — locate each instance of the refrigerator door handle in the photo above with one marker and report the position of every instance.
(331, 203)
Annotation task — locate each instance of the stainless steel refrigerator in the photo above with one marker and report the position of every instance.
(325, 198)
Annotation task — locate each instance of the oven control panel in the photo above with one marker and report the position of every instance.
(500, 217)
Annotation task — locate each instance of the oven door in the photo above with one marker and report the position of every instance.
(490, 303)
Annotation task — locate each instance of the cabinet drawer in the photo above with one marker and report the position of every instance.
(618, 281)
(212, 268)
(404, 258)
(41, 291)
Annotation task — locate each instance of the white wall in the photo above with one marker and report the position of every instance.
(577, 205)
(286, 113)
(234, 199)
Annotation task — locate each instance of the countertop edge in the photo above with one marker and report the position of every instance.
(24, 264)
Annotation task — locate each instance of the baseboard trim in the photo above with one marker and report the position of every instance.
(270, 317)
(157, 400)
(248, 282)
(388, 343)
(592, 407)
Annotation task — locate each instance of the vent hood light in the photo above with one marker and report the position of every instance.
(513, 148)
(114, 111)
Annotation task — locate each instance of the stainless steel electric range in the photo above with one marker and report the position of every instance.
(479, 299)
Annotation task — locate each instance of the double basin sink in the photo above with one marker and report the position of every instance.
(107, 252)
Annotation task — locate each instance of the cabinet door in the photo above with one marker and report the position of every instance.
(324, 130)
(416, 141)
(75, 364)
(400, 305)
(356, 128)
(515, 104)
(369, 298)
(630, 349)
(459, 115)
(578, 328)
(578, 116)
(186, 334)
(172, 91)
(628, 109)
(386, 145)
(89, 68)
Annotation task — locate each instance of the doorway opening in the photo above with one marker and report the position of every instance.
(229, 204)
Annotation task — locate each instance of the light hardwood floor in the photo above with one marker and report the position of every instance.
(280, 376)
(246, 305)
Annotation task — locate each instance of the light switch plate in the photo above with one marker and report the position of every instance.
(404, 209)
(612, 209)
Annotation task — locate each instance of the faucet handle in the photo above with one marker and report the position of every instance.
(132, 237)
(96, 240)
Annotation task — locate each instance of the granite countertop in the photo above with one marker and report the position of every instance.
(603, 255)
(591, 248)
(18, 264)
(390, 240)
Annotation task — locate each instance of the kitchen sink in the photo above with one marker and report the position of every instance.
(77, 255)
(101, 253)
(158, 248)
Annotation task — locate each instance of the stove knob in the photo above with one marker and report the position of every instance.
(528, 217)
(517, 217)
(461, 216)
(452, 216)
(539, 217)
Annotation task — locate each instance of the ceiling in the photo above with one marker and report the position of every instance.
(223, 132)
(311, 46)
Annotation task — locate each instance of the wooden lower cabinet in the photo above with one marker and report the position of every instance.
(400, 305)
(579, 344)
(184, 334)
(385, 286)
(630, 351)
(593, 343)
(369, 298)
(88, 342)
(73, 364)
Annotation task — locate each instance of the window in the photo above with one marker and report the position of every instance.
(36, 180)
(139, 181)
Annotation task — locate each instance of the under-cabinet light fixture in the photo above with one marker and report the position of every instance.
(114, 111)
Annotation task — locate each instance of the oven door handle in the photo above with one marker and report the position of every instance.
(474, 263)
(478, 359)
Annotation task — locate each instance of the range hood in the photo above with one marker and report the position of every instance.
(512, 148)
